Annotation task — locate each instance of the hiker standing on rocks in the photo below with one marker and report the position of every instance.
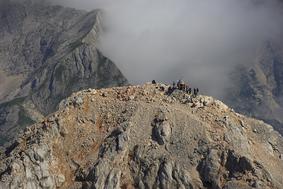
(196, 91)
(189, 91)
(174, 86)
(181, 85)
(178, 84)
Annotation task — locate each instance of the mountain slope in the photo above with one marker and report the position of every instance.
(258, 89)
(139, 137)
(47, 53)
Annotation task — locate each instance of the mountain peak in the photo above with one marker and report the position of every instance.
(143, 137)
(47, 53)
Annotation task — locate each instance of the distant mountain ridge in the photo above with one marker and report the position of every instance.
(257, 89)
(47, 53)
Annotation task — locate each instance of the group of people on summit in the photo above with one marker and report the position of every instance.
(182, 86)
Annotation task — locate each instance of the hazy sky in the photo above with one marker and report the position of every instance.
(196, 40)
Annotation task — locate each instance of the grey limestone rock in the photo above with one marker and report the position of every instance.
(192, 147)
(49, 52)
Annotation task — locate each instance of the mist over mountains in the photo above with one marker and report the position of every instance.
(70, 119)
(198, 41)
(229, 49)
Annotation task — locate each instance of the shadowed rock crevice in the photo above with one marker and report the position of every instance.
(161, 130)
(218, 166)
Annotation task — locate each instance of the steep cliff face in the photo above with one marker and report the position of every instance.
(258, 89)
(140, 137)
(46, 54)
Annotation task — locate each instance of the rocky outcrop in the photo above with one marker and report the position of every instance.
(257, 88)
(141, 137)
(47, 53)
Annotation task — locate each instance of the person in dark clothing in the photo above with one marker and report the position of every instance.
(169, 91)
(174, 86)
(153, 82)
(196, 91)
(178, 84)
(189, 91)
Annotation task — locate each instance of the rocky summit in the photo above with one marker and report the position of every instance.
(142, 137)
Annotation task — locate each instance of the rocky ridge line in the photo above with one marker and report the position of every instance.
(139, 137)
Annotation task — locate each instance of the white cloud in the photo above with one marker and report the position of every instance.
(198, 40)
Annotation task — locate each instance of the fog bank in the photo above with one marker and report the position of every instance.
(200, 41)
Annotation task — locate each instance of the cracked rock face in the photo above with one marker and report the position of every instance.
(104, 139)
(47, 53)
